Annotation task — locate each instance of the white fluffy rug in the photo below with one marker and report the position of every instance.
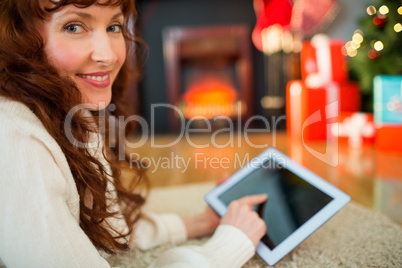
(355, 237)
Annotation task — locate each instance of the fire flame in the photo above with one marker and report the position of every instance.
(208, 98)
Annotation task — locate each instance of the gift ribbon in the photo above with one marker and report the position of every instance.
(323, 60)
(395, 103)
(356, 127)
(295, 91)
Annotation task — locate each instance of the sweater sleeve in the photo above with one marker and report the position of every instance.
(228, 247)
(37, 228)
(156, 229)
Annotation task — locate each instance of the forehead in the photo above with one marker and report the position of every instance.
(54, 9)
(91, 13)
(53, 5)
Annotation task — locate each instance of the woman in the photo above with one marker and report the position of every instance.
(61, 198)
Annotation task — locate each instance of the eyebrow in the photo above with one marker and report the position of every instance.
(89, 16)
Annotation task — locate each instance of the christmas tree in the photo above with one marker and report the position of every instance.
(376, 48)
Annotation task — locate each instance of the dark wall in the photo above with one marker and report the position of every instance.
(155, 15)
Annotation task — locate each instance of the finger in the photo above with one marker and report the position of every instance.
(224, 177)
(253, 199)
(210, 210)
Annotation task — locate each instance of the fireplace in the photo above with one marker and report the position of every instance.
(209, 95)
(208, 72)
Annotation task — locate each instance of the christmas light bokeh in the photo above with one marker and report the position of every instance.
(375, 47)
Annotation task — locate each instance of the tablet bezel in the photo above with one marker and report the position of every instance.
(339, 200)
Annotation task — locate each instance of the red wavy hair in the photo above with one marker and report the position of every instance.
(27, 76)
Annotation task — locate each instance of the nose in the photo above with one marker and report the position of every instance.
(103, 50)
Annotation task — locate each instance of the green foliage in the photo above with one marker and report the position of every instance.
(386, 61)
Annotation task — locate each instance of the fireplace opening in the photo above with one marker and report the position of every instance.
(208, 72)
(209, 95)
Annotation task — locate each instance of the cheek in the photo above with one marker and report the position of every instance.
(63, 57)
(121, 53)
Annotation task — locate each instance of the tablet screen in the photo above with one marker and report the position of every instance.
(291, 200)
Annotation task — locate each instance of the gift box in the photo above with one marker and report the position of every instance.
(354, 129)
(389, 138)
(388, 99)
(322, 62)
(311, 111)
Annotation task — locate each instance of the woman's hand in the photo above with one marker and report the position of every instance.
(205, 223)
(202, 224)
(240, 214)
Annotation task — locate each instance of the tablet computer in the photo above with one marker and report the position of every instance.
(298, 203)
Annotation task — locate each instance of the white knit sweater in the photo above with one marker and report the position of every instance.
(39, 209)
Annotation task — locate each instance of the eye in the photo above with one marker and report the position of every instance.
(115, 28)
(74, 28)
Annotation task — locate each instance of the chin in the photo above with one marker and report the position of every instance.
(96, 104)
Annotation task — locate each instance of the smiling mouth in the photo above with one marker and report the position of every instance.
(99, 78)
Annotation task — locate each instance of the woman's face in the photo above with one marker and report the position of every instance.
(87, 45)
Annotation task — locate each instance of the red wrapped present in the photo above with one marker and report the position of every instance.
(355, 129)
(322, 62)
(388, 138)
(311, 111)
